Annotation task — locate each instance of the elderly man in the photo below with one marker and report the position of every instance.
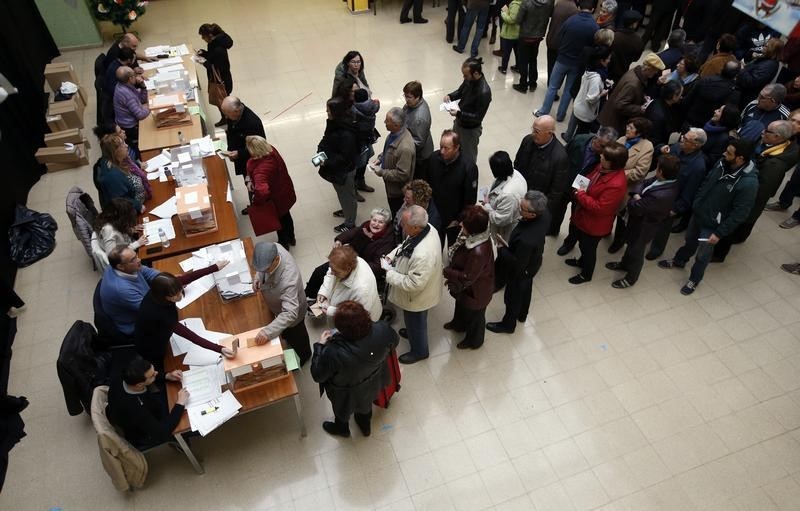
(544, 163)
(454, 180)
(776, 154)
(673, 53)
(414, 275)
(627, 99)
(519, 260)
(130, 105)
(723, 202)
(692, 171)
(127, 40)
(278, 278)
(767, 107)
(396, 163)
(418, 121)
(711, 92)
(475, 96)
(242, 122)
(349, 278)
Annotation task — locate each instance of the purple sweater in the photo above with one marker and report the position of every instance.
(128, 107)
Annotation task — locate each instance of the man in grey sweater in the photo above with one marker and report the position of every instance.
(279, 280)
(532, 18)
(418, 122)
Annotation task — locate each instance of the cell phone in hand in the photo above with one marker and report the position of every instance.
(319, 158)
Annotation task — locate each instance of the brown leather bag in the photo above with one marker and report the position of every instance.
(216, 89)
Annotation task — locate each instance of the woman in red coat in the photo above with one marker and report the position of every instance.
(268, 181)
(596, 207)
(470, 277)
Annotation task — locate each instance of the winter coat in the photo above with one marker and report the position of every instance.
(625, 101)
(663, 117)
(236, 132)
(397, 167)
(562, 10)
(81, 212)
(503, 204)
(755, 120)
(359, 286)
(596, 208)
(341, 73)
(718, 140)
(772, 168)
(646, 214)
(715, 64)
(369, 249)
(523, 255)
(416, 279)
(271, 181)
(625, 50)
(470, 275)
(475, 96)
(510, 27)
(353, 371)
(574, 36)
(418, 122)
(755, 75)
(691, 175)
(217, 56)
(80, 369)
(454, 185)
(545, 169)
(724, 201)
(341, 143)
(587, 102)
(532, 18)
(708, 95)
(640, 156)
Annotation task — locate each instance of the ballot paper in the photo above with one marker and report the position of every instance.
(150, 84)
(154, 51)
(180, 345)
(170, 69)
(195, 290)
(147, 66)
(164, 100)
(199, 356)
(166, 209)
(449, 106)
(194, 263)
(161, 159)
(580, 182)
(151, 230)
(203, 383)
(206, 145)
(208, 416)
(179, 50)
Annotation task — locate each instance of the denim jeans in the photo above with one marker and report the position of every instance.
(417, 328)
(702, 250)
(560, 72)
(473, 14)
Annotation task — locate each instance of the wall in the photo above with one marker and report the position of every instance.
(70, 23)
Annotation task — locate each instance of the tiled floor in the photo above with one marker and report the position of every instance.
(638, 399)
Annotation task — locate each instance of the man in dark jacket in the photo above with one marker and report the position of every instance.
(215, 58)
(125, 57)
(453, 177)
(723, 202)
(519, 259)
(664, 112)
(543, 161)
(693, 165)
(673, 54)
(242, 122)
(775, 155)
(648, 207)
(532, 19)
(627, 98)
(627, 46)
(661, 16)
(475, 96)
(710, 93)
(767, 107)
(562, 10)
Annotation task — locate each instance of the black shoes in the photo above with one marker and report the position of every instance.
(410, 358)
(499, 328)
(359, 198)
(420, 21)
(342, 228)
(615, 246)
(464, 345)
(520, 88)
(364, 187)
(451, 325)
(341, 429)
(575, 263)
(338, 213)
(244, 211)
(405, 20)
(403, 333)
(363, 423)
(615, 265)
(578, 279)
(564, 249)
(455, 49)
(652, 256)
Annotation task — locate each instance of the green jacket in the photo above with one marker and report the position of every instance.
(771, 171)
(723, 203)
(576, 149)
(510, 28)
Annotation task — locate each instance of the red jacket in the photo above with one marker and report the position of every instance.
(597, 207)
(271, 181)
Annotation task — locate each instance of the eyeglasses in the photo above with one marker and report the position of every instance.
(761, 96)
(133, 260)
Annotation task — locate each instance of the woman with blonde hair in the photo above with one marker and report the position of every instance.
(119, 176)
(268, 181)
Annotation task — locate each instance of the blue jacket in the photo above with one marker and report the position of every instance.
(690, 177)
(121, 296)
(576, 33)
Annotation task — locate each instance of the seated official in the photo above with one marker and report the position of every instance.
(158, 320)
(373, 240)
(130, 104)
(116, 225)
(120, 176)
(349, 278)
(140, 409)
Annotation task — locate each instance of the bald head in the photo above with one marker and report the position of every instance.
(543, 129)
(781, 129)
(124, 74)
(232, 107)
(129, 41)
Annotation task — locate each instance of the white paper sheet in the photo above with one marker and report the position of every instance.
(208, 416)
(197, 356)
(203, 384)
(172, 68)
(184, 157)
(150, 84)
(580, 182)
(180, 345)
(165, 100)
(179, 50)
(194, 263)
(152, 51)
(166, 209)
(195, 290)
(151, 230)
(148, 65)
(452, 106)
(158, 161)
(205, 143)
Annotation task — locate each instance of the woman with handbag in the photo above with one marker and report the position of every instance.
(340, 143)
(470, 277)
(218, 67)
(271, 191)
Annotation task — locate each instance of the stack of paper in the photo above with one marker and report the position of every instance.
(206, 417)
(154, 51)
(181, 345)
(205, 144)
(203, 384)
(195, 290)
(151, 230)
(179, 50)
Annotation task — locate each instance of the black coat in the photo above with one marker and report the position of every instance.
(663, 117)
(754, 76)
(709, 94)
(454, 184)
(646, 214)
(625, 50)
(217, 56)
(475, 96)
(80, 369)
(342, 146)
(545, 169)
(523, 256)
(248, 124)
(353, 372)
(717, 143)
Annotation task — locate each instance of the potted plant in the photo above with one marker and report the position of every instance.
(118, 12)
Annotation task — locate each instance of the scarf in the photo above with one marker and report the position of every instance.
(776, 149)
(710, 127)
(469, 242)
(369, 234)
(411, 242)
(630, 142)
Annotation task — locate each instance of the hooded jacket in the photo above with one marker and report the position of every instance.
(773, 163)
(724, 200)
(532, 18)
(217, 57)
(341, 144)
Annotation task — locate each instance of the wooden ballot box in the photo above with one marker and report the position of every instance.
(253, 365)
(195, 210)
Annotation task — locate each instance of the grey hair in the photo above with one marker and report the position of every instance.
(607, 133)
(536, 200)
(677, 38)
(776, 91)
(124, 73)
(700, 134)
(417, 216)
(385, 213)
(609, 5)
(783, 129)
(397, 115)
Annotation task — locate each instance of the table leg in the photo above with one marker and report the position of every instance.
(189, 454)
(299, 408)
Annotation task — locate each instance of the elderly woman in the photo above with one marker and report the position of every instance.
(215, 58)
(120, 176)
(417, 193)
(502, 200)
(349, 364)
(371, 241)
(418, 122)
(640, 157)
(470, 277)
(349, 278)
(606, 14)
(268, 181)
(116, 225)
(351, 65)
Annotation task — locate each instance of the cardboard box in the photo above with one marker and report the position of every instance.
(195, 211)
(71, 111)
(56, 123)
(57, 72)
(254, 364)
(71, 136)
(62, 158)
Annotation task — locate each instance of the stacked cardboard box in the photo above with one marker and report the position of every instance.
(66, 145)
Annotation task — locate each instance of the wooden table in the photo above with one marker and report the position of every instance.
(227, 228)
(235, 316)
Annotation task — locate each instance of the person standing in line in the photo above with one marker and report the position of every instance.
(478, 13)
(242, 123)
(532, 19)
(418, 122)
(502, 199)
(474, 96)
(509, 34)
(562, 10)
(396, 164)
(341, 144)
(215, 59)
(417, 12)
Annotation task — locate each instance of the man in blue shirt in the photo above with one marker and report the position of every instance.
(125, 282)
